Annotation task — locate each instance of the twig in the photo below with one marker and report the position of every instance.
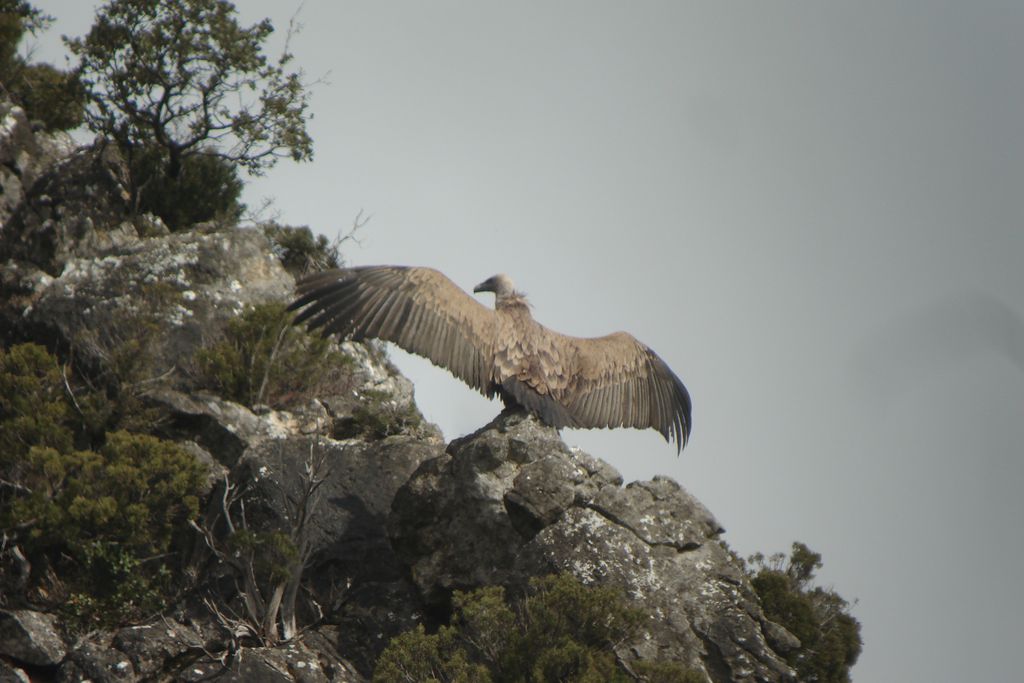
(358, 223)
(270, 362)
(20, 488)
(158, 378)
(67, 387)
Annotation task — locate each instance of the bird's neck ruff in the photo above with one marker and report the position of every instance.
(513, 300)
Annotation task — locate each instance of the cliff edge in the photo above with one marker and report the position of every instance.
(377, 520)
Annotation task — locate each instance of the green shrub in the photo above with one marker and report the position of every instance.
(300, 252)
(202, 188)
(560, 631)
(95, 515)
(263, 359)
(83, 501)
(418, 656)
(42, 407)
(829, 635)
(120, 588)
(377, 416)
(49, 96)
(34, 410)
(134, 492)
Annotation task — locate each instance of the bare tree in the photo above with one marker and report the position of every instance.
(268, 565)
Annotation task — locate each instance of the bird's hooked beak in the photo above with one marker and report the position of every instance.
(485, 286)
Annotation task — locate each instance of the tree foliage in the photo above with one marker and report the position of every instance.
(184, 75)
(48, 95)
(561, 631)
(189, 95)
(207, 188)
(30, 18)
(829, 635)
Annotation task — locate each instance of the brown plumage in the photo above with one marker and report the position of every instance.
(611, 381)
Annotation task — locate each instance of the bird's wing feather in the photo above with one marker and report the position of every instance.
(419, 309)
(620, 382)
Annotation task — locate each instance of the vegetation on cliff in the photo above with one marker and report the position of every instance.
(829, 635)
(102, 497)
(92, 513)
(262, 359)
(560, 630)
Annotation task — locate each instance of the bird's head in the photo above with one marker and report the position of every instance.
(505, 293)
(500, 284)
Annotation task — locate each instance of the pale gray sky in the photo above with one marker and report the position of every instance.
(813, 211)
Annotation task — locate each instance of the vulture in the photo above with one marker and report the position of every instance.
(610, 381)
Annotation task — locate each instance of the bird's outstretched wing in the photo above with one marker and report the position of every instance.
(419, 309)
(620, 382)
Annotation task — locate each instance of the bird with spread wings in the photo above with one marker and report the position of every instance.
(610, 381)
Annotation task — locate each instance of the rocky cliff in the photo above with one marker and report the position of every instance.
(389, 520)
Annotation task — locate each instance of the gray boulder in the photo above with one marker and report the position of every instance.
(177, 290)
(18, 149)
(294, 662)
(75, 207)
(512, 501)
(93, 659)
(24, 156)
(152, 647)
(12, 674)
(170, 650)
(30, 638)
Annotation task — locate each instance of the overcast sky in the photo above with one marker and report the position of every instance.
(814, 212)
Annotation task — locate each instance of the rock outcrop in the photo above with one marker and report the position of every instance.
(401, 521)
(57, 201)
(512, 501)
(24, 156)
(31, 637)
(185, 285)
